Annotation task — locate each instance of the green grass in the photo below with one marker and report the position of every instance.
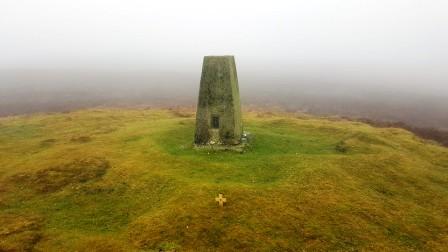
(304, 183)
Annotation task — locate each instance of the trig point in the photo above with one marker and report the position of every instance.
(218, 117)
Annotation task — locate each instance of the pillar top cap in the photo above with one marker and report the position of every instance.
(219, 56)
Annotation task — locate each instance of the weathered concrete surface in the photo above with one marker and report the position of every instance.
(219, 107)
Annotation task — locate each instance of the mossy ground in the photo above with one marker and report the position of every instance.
(129, 180)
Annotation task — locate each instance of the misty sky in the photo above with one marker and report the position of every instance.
(376, 42)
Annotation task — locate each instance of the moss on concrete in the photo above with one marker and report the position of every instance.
(219, 97)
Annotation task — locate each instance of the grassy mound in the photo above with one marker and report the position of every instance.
(129, 180)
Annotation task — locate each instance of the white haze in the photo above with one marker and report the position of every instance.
(361, 52)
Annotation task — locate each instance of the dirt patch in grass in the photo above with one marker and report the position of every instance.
(19, 233)
(47, 142)
(81, 139)
(57, 177)
(3, 191)
(342, 146)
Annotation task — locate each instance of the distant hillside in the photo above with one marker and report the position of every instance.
(129, 180)
(55, 90)
(441, 136)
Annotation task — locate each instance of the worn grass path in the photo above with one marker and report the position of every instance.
(128, 180)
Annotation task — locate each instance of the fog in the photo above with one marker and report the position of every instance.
(381, 59)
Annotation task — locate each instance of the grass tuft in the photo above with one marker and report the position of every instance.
(19, 232)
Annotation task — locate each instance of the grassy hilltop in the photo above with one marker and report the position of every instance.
(128, 180)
